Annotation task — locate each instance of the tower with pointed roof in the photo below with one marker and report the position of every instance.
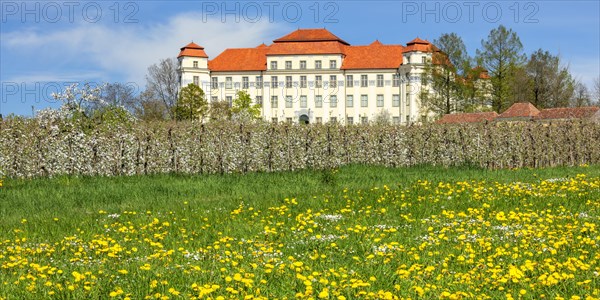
(193, 66)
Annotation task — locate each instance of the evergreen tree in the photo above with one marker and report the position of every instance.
(191, 104)
(500, 54)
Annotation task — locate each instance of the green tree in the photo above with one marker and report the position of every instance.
(148, 108)
(476, 90)
(191, 104)
(520, 86)
(443, 76)
(452, 45)
(220, 111)
(581, 95)
(113, 115)
(500, 54)
(550, 83)
(243, 109)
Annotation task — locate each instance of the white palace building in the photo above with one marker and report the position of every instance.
(311, 75)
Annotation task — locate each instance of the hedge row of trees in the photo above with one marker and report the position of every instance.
(51, 145)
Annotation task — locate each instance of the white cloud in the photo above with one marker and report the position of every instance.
(127, 51)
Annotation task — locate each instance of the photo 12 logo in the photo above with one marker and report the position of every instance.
(469, 11)
(252, 12)
(37, 92)
(68, 11)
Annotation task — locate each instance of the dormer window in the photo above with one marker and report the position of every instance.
(195, 64)
(332, 64)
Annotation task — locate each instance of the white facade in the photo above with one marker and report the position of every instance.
(315, 87)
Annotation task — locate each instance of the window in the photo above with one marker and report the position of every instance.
(350, 120)
(318, 81)
(214, 83)
(228, 82)
(318, 101)
(332, 64)
(380, 80)
(332, 120)
(303, 102)
(396, 120)
(288, 102)
(197, 80)
(273, 65)
(407, 119)
(333, 101)
(274, 101)
(318, 120)
(274, 83)
(214, 99)
(407, 99)
(245, 84)
(349, 81)
(379, 100)
(274, 120)
(364, 120)
(396, 100)
(302, 81)
(195, 64)
(288, 119)
(303, 64)
(396, 80)
(288, 65)
(317, 64)
(259, 82)
(423, 59)
(350, 100)
(288, 81)
(229, 100)
(259, 100)
(364, 101)
(333, 81)
(364, 80)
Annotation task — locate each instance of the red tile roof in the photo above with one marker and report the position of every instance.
(193, 50)
(311, 35)
(520, 110)
(420, 45)
(568, 113)
(244, 59)
(318, 41)
(467, 118)
(374, 56)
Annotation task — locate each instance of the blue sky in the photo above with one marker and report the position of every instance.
(45, 45)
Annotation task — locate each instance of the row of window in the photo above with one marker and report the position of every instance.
(349, 120)
(333, 101)
(303, 83)
(318, 65)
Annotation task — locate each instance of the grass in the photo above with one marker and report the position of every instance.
(360, 231)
